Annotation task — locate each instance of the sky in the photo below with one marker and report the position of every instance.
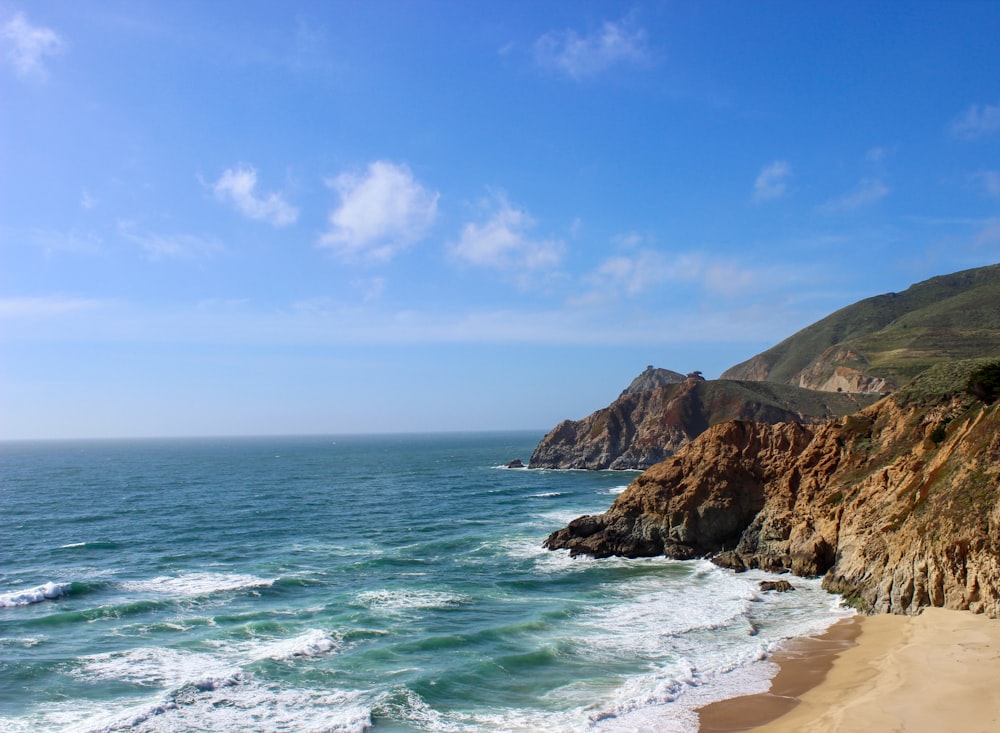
(257, 218)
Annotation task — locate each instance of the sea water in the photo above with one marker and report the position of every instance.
(389, 583)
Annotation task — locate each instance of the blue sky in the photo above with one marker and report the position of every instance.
(332, 217)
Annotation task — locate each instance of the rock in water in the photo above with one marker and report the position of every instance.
(778, 586)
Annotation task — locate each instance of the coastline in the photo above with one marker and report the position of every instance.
(934, 672)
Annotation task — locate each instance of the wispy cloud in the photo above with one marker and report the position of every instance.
(988, 236)
(29, 45)
(45, 306)
(53, 242)
(772, 181)
(869, 191)
(990, 181)
(579, 56)
(633, 274)
(624, 275)
(171, 246)
(977, 121)
(236, 187)
(502, 242)
(381, 212)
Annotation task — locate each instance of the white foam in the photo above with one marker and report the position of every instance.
(200, 691)
(615, 490)
(247, 706)
(312, 643)
(197, 584)
(547, 494)
(159, 667)
(406, 599)
(45, 592)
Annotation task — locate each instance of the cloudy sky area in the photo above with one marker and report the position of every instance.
(335, 217)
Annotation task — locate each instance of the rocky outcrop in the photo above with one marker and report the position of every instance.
(652, 378)
(841, 369)
(898, 506)
(643, 427)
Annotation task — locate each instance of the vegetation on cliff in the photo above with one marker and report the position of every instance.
(897, 505)
(880, 343)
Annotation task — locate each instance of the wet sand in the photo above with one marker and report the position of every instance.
(933, 673)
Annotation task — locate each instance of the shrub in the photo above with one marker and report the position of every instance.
(984, 382)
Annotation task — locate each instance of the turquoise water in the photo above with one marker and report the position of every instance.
(390, 583)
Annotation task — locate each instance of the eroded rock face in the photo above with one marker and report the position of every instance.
(898, 506)
(642, 428)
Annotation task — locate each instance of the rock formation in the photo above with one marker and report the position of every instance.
(898, 505)
(644, 426)
(652, 378)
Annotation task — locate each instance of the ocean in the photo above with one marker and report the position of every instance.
(352, 583)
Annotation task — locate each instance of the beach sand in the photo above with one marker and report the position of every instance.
(936, 672)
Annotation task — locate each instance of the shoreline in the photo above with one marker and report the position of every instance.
(932, 673)
(803, 664)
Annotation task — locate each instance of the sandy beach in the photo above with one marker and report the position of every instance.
(935, 672)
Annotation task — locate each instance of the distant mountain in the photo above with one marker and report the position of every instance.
(881, 343)
(644, 426)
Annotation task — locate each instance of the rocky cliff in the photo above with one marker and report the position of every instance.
(898, 505)
(646, 425)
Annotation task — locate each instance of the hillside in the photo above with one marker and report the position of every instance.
(880, 343)
(898, 506)
(644, 426)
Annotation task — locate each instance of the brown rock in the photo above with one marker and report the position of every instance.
(777, 586)
(894, 524)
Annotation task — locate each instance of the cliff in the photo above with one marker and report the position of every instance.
(880, 343)
(898, 505)
(646, 425)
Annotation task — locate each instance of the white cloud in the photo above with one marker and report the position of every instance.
(171, 246)
(236, 186)
(977, 121)
(866, 193)
(771, 182)
(29, 45)
(381, 212)
(502, 242)
(579, 56)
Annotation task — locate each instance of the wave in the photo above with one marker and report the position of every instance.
(40, 593)
(202, 692)
(547, 494)
(157, 667)
(197, 584)
(312, 643)
(98, 545)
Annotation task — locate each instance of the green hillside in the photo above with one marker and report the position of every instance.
(894, 336)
